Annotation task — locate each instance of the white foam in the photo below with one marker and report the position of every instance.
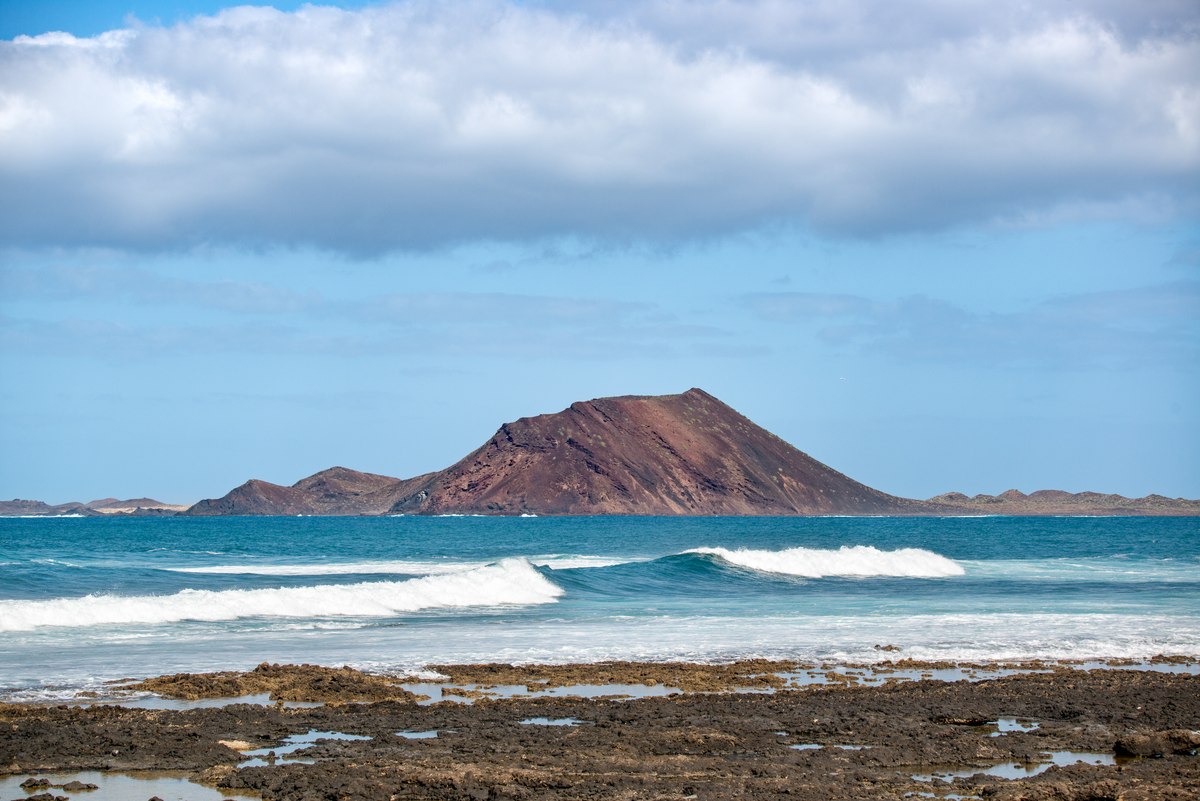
(572, 562)
(40, 517)
(1106, 569)
(511, 581)
(856, 561)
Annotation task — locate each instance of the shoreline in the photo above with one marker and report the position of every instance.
(889, 730)
(300, 682)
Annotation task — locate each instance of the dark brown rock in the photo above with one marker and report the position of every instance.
(306, 683)
(79, 787)
(1158, 744)
(708, 744)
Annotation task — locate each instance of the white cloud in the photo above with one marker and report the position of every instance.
(414, 125)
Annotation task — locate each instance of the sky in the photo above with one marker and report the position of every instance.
(936, 245)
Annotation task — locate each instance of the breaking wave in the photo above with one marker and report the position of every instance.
(509, 582)
(848, 561)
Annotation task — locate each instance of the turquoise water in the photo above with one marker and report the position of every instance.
(91, 599)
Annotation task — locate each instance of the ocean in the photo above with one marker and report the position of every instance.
(87, 600)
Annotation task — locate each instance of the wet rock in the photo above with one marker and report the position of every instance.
(35, 784)
(711, 745)
(306, 683)
(1057, 791)
(962, 720)
(1158, 744)
(79, 787)
(747, 673)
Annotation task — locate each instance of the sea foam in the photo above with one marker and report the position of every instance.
(850, 561)
(511, 581)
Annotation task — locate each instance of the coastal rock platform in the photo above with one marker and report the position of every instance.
(1064, 734)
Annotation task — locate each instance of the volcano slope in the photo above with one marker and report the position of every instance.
(685, 454)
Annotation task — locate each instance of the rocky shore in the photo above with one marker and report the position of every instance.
(735, 731)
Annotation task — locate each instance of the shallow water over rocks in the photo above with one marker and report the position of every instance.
(131, 786)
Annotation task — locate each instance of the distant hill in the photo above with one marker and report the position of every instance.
(336, 491)
(1058, 502)
(18, 507)
(103, 506)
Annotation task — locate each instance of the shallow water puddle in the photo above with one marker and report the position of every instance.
(878, 675)
(602, 690)
(1017, 770)
(817, 746)
(135, 786)
(158, 702)
(1184, 668)
(553, 722)
(1005, 726)
(277, 755)
(436, 692)
(418, 735)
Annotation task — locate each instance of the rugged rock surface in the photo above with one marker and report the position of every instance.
(1058, 502)
(811, 744)
(304, 683)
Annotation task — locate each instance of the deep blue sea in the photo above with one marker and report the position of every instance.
(85, 600)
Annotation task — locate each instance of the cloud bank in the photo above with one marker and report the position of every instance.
(418, 125)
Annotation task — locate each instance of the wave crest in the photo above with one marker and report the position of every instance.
(849, 561)
(511, 581)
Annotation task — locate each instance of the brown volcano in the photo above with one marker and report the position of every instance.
(685, 454)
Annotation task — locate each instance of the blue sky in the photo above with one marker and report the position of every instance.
(949, 247)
